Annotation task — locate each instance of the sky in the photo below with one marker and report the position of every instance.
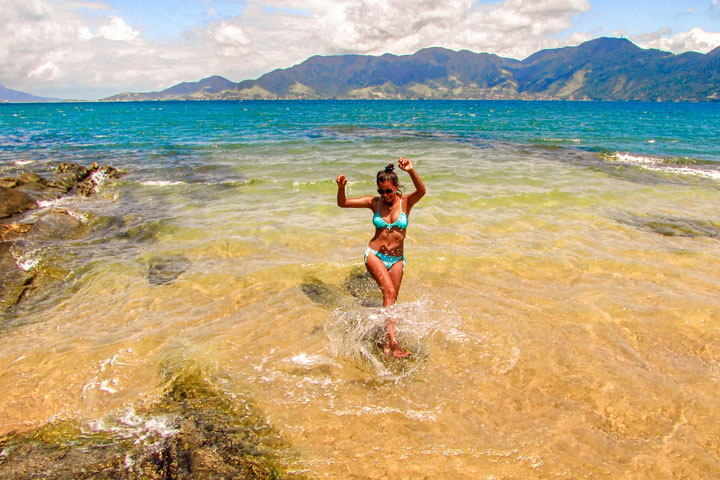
(86, 49)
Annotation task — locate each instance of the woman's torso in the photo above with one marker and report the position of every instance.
(390, 227)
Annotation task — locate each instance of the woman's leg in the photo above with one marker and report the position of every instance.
(389, 283)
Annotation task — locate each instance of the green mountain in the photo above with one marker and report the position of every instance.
(601, 69)
(210, 88)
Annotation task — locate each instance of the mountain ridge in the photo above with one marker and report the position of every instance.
(608, 69)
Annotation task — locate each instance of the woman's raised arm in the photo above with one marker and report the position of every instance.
(414, 197)
(344, 202)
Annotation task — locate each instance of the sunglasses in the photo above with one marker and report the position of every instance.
(386, 191)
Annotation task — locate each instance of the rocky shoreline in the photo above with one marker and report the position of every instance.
(22, 217)
(194, 431)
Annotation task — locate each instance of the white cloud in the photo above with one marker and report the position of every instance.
(53, 46)
(48, 71)
(697, 40)
(228, 33)
(117, 30)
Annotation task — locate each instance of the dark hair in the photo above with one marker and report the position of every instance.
(388, 175)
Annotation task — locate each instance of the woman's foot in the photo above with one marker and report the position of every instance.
(393, 350)
(398, 352)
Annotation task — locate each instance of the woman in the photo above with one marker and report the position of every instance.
(384, 256)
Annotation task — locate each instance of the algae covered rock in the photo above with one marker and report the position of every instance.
(196, 431)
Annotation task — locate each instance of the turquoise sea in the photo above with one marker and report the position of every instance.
(561, 297)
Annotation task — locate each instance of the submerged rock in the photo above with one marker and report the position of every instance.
(320, 292)
(166, 269)
(361, 285)
(677, 227)
(195, 432)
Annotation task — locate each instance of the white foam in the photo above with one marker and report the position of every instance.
(105, 386)
(658, 164)
(161, 183)
(83, 218)
(56, 203)
(99, 178)
(417, 415)
(27, 261)
(697, 172)
(130, 424)
(305, 360)
(21, 163)
(636, 159)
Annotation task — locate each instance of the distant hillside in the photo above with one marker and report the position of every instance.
(208, 88)
(13, 96)
(601, 69)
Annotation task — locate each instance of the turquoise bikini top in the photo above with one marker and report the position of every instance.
(401, 222)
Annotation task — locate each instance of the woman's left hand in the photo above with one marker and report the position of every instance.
(405, 164)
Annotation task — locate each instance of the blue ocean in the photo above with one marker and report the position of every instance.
(561, 297)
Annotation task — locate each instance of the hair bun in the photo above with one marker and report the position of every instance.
(390, 167)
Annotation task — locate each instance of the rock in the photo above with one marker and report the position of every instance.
(77, 171)
(14, 282)
(68, 175)
(8, 182)
(13, 201)
(207, 435)
(361, 285)
(20, 194)
(31, 178)
(37, 187)
(166, 269)
(676, 227)
(11, 231)
(321, 293)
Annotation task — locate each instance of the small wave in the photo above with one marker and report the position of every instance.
(417, 415)
(675, 165)
(161, 183)
(58, 202)
(560, 140)
(22, 163)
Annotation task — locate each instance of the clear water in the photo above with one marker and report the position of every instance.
(560, 298)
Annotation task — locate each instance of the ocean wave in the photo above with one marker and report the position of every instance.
(674, 165)
(161, 183)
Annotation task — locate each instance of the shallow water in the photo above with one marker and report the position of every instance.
(560, 298)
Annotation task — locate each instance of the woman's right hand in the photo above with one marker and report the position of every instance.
(341, 181)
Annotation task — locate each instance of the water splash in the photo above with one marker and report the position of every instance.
(356, 335)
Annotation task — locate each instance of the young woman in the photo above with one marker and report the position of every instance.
(384, 256)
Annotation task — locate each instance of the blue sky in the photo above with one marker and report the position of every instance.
(89, 49)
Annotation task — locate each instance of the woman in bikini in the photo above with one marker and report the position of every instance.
(384, 256)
